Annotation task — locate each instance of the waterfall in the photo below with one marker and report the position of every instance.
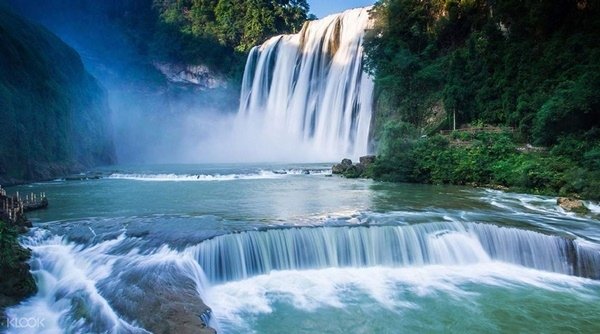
(246, 254)
(305, 96)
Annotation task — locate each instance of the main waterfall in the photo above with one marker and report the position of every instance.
(305, 96)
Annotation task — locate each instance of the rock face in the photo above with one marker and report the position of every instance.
(573, 205)
(54, 116)
(197, 75)
(16, 280)
(342, 167)
(350, 170)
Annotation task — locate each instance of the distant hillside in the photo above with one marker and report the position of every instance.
(54, 117)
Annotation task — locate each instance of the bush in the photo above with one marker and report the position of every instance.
(488, 159)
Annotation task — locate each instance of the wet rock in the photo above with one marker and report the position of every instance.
(338, 169)
(17, 283)
(573, 205)
(355, 171)
(342, 167)
(367, 160)
(160, 296)
(352, 171)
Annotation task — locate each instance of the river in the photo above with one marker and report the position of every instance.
(291, 248)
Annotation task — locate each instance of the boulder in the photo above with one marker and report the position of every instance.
(338, 169)
(573, 205)
(342, 167)
(355, 171)
(367, 160)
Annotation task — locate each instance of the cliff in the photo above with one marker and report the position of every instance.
(54, 116)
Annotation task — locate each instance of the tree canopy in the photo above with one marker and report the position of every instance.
(527, 64)
(509, 62)
(212, 29)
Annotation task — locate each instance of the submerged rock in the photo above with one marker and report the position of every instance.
(573, 205)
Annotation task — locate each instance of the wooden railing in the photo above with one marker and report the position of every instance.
(491, 129)
(13, 207)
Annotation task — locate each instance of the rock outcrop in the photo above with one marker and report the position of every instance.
(16, 280)
(342, 167)
(573, 205)
(197, 75)
(349, 170)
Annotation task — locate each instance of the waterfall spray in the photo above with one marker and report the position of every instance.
(307, 94)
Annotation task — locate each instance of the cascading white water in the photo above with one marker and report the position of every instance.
(239, 256)
(305, 96)
(97, 287)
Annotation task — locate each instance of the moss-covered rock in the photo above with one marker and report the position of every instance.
(16, 280)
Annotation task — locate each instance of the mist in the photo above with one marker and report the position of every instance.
(155, 119)
(166, 112)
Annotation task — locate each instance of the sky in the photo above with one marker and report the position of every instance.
(323, 8)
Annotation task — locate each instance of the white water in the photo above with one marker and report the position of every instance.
(236, 303)
(66, 276)
(243, 255)
(259, 175)
(76, 282)
(386, 263)
(85, 288)
(305, 97)
(193, 178)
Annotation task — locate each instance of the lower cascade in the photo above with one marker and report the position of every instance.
(99, 287)
(308, 91)
(246, 254)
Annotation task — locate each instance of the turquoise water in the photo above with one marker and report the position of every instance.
(291, 248)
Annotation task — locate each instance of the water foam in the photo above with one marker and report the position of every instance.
(234, 303)
(251, 253)
(259, 175)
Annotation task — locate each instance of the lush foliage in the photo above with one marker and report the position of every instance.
(487, 159)
(212, 32)
(53, 114)
(8, 241)
(531, 65)
(17, 281)
(216, 33)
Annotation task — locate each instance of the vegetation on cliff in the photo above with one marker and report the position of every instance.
(215, 33)
(17, 281)
(53, 114)
(529, 65)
